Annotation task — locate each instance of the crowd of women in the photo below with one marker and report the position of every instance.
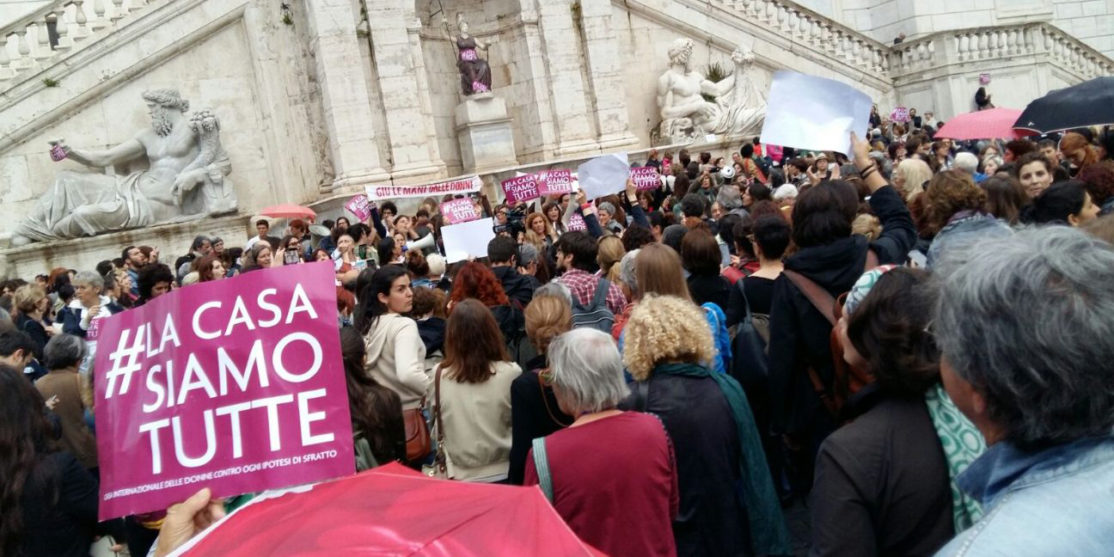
(913, 339)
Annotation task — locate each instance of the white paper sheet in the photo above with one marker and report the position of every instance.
(814, 113)
(466, 240)
(604, 175)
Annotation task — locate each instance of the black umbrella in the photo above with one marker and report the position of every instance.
(1090, 103)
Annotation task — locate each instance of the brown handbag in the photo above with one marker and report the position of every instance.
(418, 443)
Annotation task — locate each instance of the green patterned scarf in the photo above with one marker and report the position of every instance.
(768, 532)
(962, 444)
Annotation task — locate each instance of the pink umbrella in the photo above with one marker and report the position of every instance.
(996, 123)
(289, 210)
(392, 510)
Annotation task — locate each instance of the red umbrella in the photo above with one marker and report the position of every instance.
(996, 123)
(289, 210)
(392, 510)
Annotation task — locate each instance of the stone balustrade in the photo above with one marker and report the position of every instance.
(820, 33)
(998, 44)
(26, 45)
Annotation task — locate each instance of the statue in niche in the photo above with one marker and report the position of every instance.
(475, 74)
(739, 107)
(185, 178)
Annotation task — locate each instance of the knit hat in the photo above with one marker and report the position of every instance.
(862, 287)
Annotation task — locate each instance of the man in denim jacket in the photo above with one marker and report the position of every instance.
(1025, 324)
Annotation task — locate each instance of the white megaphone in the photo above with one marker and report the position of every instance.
(421, 243)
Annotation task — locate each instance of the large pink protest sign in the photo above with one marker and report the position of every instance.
(554, 182)
(466, 185)
(359, 206)
(645, 178)
(457, 211)
(236, 385)
(520, 188)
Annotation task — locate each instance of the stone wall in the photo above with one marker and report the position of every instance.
(234, 57)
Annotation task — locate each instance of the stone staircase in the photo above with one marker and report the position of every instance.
(31, 45)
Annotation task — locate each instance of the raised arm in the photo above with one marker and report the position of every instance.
(126, 151)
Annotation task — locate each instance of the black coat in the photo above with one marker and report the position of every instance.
(67, 526)
(882, 485)
(518, 287)
(711, 519)
(799, 334)
(534, 413)
(710, 288)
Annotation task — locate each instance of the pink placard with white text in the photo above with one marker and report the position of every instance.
(645, 178)
(520, 188)
(576, 222)
(236, 385)
(554, 182)
(456, 211)
(359, 206)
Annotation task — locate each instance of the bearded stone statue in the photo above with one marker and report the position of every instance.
(185, 178)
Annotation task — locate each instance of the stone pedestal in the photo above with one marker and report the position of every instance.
(83, 254)
(483, 129)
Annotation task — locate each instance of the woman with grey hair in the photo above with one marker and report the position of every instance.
(1024, 329)
(608, 463)
(71, 394)
(80, 315)
(87, 305)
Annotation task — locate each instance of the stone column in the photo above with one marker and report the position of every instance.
(573, 119)
(605, 75)
(398, 65)
(352, 137)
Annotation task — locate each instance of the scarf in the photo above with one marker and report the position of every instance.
(768, 532)
(962, 444)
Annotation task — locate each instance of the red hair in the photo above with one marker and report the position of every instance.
(475, 280)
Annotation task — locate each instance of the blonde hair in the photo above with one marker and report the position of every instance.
(547, 316)
(27, 297)
(657, 270)
(531, 236)
(916, 173)
(665, 329)
(867, 225)
(611, 252)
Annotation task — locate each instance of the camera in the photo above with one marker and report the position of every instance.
(516, 222)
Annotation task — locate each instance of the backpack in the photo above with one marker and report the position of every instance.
(596, 315)
(717, 323)
(846, 379)
(750, 362)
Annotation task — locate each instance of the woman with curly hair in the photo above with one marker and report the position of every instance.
(476, 280)
(1099, 181)
(954, 213)
(715, 440)
(472, 396)
(885, 483)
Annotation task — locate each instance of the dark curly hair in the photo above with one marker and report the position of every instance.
(1099, 180)
(475, 280)
(888, 329)
(948, 193)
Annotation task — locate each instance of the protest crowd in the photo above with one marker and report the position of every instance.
(911, 342)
